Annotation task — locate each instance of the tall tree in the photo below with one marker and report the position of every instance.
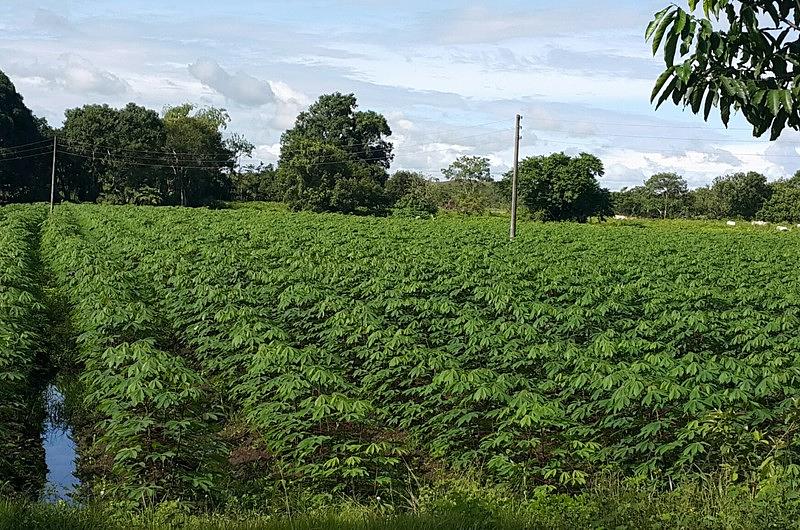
(21, 179)
(742, 194)
(402, 183)
(705, 202)
(784, 202)
(471, 175)
(336, 158)
(107, 161)
(668, 190)
(735, 55)
(635, 201)
(202, 161)
(563, 188)
(256, 183)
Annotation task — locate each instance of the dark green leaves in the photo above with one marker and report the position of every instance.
(744, 64)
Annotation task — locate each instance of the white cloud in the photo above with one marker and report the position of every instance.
(268, 153)
(240, 87)
(289, 103)
(73, 73)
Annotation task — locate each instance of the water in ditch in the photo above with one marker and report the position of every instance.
(59, 450)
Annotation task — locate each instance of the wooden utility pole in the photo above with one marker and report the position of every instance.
(53, 178)
(513, 232)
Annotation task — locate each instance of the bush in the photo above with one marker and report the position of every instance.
(417, 203)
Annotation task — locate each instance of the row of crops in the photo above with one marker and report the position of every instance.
(227, 351)
(21, 312)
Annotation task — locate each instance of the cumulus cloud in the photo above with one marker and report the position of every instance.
(240, 87)
(73, 73)
(267, 153)
(289, 103)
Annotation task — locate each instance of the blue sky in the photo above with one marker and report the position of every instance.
(449, 76)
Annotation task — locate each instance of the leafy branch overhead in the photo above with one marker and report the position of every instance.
(733, 56)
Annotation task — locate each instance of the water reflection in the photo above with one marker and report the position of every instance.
(59, 449)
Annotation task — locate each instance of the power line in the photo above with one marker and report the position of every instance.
(145, 160)
(654, 125)
(2, 147)
(663, 151)
(23, 151)
(682, 138)
(143, 153)
(22, 157)
(132, 162)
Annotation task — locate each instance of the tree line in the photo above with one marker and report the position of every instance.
(737, 196)
(336, 158)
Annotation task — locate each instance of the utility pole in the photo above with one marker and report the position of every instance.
(513, 232)
(53, 178)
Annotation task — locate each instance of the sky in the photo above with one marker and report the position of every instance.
(450, 76)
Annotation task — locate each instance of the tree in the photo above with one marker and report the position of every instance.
(21, 179)
(336, 158)
(402, 183)
(563, 188)
(410, 194)
(705, 202)
(106, 163)
(742, 194)
(257, 183)
(784, 202)
(204, 174)
(471, 175)
(668, 190)
(737, 55)
(634, 202)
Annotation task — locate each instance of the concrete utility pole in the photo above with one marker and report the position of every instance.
(53, 178)
(513, 232)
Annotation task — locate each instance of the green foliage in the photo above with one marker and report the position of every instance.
(668, 190)
(257, 350)
(563, 188)
(20, 179)
(411, 195)
(21, 315)
(343, 352)
(663, 195)
(257, 184)
(154, 420)
(471, 177)
(204, 178)
(459, 503)
(784, 202)
(134, 156)
(737, 56)
(742, 194)
(335, 158)
(417, 203)
(403, 183)
(102, 133)
(705, 202)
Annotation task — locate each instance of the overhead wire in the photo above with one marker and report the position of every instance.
(23, 157)
(662, 151)
(46, 141)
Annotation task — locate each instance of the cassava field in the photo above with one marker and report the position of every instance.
(256, 360)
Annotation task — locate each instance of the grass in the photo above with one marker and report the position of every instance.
(465, 504)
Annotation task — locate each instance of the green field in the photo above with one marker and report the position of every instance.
(271, 360)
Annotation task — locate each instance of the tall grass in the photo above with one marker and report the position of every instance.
(465, 504)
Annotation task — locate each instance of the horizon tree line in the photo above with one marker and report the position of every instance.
(336, 158)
